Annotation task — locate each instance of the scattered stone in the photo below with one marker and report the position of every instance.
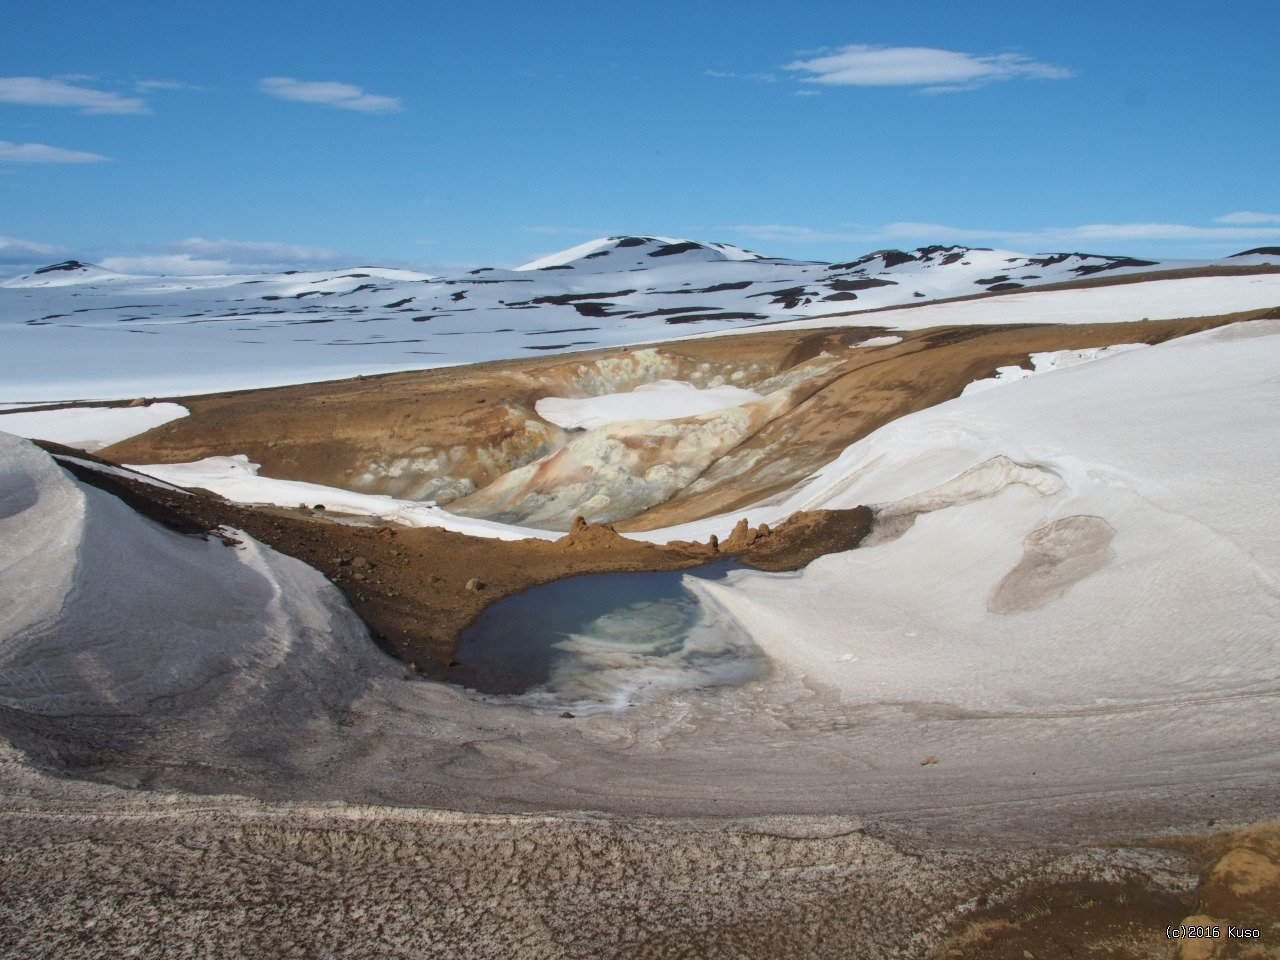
(361, 563)
(928, 761)
(475, 584)
(566, 715)
(318, 506)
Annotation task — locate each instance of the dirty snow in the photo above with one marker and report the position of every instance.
(109, 614)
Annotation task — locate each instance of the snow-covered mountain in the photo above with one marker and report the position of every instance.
(74, 330)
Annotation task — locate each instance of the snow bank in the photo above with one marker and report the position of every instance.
(90, 428)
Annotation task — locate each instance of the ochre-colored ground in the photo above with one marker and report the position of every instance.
(1233, 912)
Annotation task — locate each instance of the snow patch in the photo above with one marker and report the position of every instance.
(663, 400)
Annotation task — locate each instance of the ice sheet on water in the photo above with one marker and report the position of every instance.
(608, 641)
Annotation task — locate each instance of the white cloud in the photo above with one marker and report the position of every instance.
(938, 71)
(1102, 232)
(1042, 239)
(196, 255)
(565, 231)
(164, 265)
(15, 251)
(56, 92)
(782, 233)
(256, 249)
(762, 77)
(1248, 216)
(330, 93)
(143, 86)
(42, 153)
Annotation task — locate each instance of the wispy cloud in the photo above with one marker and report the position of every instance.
(178, 264)
(729, 75)
(196, 255)
(564, 231)
(15, 251)
(1042, 239)
(145, 86)
(936, 71)
(250, 249)
(1248, 216)
(330, 93)
(42, 153)
(57, 92)
(785, 233)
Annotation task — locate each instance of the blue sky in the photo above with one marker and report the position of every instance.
(163, 136)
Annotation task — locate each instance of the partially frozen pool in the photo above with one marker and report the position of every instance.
(608, 641)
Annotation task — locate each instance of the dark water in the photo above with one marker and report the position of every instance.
(608, 640)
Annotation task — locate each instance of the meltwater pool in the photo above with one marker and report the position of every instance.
(608, 641)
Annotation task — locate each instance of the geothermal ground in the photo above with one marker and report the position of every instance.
(989, 634)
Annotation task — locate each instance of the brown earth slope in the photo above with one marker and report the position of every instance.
(442, 434)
